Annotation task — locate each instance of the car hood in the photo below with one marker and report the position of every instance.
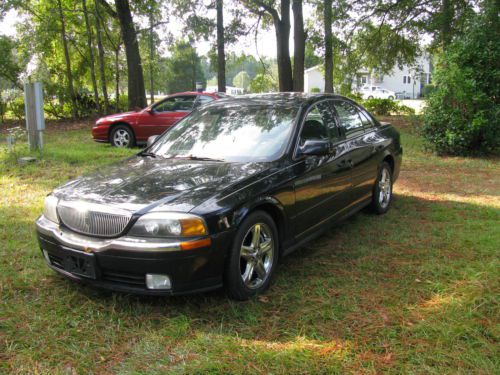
(118, 116)
(143, 183)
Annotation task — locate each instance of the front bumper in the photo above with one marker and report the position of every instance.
(121, 264)
(100, 133)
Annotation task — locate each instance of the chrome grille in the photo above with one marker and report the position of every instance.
(92, 219)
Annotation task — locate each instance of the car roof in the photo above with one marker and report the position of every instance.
(273, 99)
(193, 93)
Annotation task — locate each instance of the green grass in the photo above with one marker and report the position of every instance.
(413, 291)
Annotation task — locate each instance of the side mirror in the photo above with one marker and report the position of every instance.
(150, 111)
(152, 140)
(315, 147)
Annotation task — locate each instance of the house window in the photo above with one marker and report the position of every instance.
(404, 79)
(409, 79)
(363, 80)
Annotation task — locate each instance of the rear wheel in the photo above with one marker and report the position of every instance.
(122, 136)
(370, 97)
(391, 97)
(382, 191)
(253, 258)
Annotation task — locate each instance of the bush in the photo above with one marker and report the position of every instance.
(462, 114)
(315, 90)
(428, 90)
(16, 107)
(356, 96)
(381, 107)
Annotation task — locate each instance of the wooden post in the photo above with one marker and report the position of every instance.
(35, 122)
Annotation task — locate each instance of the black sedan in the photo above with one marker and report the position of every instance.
(221, 197)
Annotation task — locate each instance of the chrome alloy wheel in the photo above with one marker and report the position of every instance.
(121, 138)
(385, 187)
(256, 255)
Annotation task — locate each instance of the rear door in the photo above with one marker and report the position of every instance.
(361, 140)
(322, 188)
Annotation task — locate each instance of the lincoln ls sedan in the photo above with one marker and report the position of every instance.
(221, 197)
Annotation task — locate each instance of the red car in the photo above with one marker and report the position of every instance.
(130, 128)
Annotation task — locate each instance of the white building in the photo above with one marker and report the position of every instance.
(406, 82)
(230, 90)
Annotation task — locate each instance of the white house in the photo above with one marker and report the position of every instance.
(407, 82)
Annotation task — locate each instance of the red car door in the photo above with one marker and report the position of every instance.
(164, 114)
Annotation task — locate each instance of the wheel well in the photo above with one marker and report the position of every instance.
(390, 160)
(277, 216)
(119, 124)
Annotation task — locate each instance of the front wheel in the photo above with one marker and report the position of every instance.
(253, 258)
(391, 97)
(382, 191)
(122, 136)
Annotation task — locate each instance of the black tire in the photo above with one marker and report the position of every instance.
(382, 191)
(240, 260)
(122, 136)
(391, 97)
(370, 97)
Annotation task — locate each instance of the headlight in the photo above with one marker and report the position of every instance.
(49, 210)
(168, 224)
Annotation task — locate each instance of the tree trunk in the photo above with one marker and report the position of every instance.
(151, 59)
(282, 28)
(299, 50)
(136, 91)
(91, 56)
(117, 78)
(100, 50)
(447, 15)
(327, 20)
(221, 56)
(69, 74)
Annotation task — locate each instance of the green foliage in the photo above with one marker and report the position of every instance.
(315, 90)
(183, 68)
(428, 90)
(242, 79)
(16, 107)
(9, 68)
(385, 107)
(356, 96)
(263, 83)
(462, 115)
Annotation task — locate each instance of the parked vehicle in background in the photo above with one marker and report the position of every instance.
(130, 128)
(376, 92)
(220, 198)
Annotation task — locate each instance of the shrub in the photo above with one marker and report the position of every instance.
(315, 90)
(428, 90)
(381, 107)
(356, 96)
(462, 114)
(16, 107)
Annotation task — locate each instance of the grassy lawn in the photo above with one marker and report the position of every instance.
(413, 291)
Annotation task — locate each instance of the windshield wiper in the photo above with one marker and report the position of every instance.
(146, 153)
(201, 158)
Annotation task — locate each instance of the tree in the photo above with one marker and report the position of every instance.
(463, 112)
(299, 40)
(183, 67)
(9, 68)
(69, 74)
(262, 83)
(91, 54)
(100, 50)
(221, 57)
(281, 21)
(136, 90)
(328, 40)
(242, 79)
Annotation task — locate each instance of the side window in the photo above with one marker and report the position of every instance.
(349, 118)
(366, 120)
(202, 99)
(320, 123)
(177, 103)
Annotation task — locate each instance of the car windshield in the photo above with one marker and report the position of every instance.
(241, 134)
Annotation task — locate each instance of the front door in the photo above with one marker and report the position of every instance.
(165, 113)
(323, 183)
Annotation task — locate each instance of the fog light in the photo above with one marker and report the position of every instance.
(158, 281)
(46, 256)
